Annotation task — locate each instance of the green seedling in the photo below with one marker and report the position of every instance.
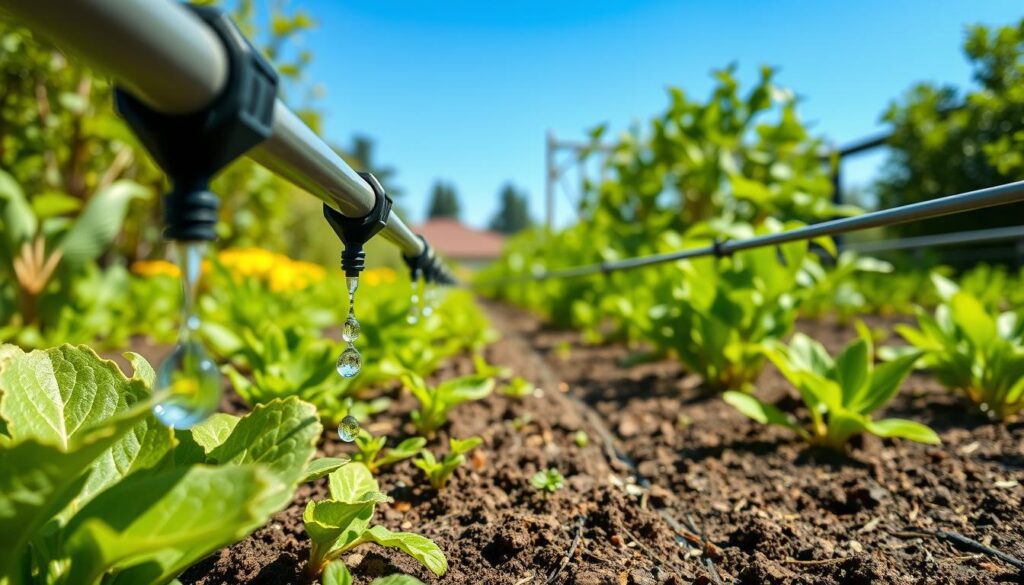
(518, 388)
(973, 350)
(94, 489)
(549, 481)
(370, 450)
(438, 472)
(343, 522)
(581, 439)
(840, 394)
(337, 573)
(436, 402)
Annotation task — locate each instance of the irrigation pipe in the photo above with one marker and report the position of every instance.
(172, 61)
(951, 204)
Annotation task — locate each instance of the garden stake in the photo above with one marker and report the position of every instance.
(191, 148)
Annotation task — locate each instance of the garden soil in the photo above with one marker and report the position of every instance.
(672, 485)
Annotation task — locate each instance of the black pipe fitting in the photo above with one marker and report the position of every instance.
(192, 148)
(420, 264)
(354, 232)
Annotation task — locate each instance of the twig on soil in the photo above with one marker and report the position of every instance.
(525, 580)
(963, 542)
(580, 521)
(815, 561)
(651, 554)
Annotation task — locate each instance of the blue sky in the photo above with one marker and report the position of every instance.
(465, 91)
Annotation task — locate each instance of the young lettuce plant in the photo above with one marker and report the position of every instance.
(840, 394)
(437, 402)
(550, 480)
(343, 522)
(438, 472)
(370, 449)
(973, 350)
(94, 490)
(337, 573)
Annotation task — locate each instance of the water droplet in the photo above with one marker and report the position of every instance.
(349, 362)
(348, 430)
(350, 330)
(192, 382)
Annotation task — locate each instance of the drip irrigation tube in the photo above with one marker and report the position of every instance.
(172, 61)
(951, 204)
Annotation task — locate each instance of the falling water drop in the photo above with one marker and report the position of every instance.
(350, 330)
(429, 300)
(188, 377)
(414, 304)
(348, 430)
(350, 362)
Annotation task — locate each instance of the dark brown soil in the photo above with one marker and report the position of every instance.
(771, 511)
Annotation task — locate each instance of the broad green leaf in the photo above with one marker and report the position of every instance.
(904, 429)
(54, 396)
(349, 483)
(465, 389)
(842, 425)
(336, 573)
(459, 447)
(757, 410)
(853, 367)
(212, 432)
(323, 466)
(971, 317)
(885, 383)
(99, 223)
(329, 522)
(142, 370)
(185, 514)
(406, 449)
(946, 288)
(281, 435)
(40, 480)
(418, 547)
(54, 203)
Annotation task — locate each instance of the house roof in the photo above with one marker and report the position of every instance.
(460, 242)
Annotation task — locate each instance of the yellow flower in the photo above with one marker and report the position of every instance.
(376, 276)
(151, 268)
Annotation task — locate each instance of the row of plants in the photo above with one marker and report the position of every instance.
(97, 487)
(732, 167)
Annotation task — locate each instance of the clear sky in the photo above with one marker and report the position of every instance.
(465, 91)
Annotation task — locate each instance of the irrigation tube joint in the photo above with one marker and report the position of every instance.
(192, 148)
(354, 232)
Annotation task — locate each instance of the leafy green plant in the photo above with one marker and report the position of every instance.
(840, 394)
(370, 449)
(94, 489)
(436, 402)
(438, 472)
(549, 480)
(337, 573)
(835, 289)
(715, 315)
(343, 522)
(290, 362)
(973, 350)
(518, 387)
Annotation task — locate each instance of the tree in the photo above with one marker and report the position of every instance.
(514, 214)
(946, 141)
(360, 154)
(444, 202)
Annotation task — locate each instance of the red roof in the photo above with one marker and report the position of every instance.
(460, 242)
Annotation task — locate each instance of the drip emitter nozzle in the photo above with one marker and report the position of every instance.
(191, 149)
(356, 231)
(427, 265)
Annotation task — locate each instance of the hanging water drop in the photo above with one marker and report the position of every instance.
(348, 430)
(350, 330)
(188, 377)
(414, 304)
(350, 362)
(429, 300)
